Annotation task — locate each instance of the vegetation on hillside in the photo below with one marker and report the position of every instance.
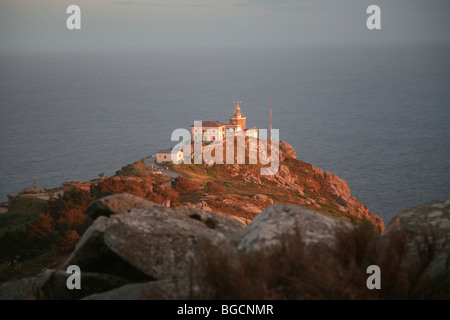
(21, 211)
(37, 233)
(54, 230)
(218, 180)
(136, 169)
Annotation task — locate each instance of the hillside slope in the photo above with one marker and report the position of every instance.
(244, 192)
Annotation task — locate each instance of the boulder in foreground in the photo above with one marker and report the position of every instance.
(427, 227)
(270, 225)
(117, 203)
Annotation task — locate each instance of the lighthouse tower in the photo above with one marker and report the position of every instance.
(238, 118)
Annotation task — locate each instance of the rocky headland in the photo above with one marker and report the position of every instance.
(296, 182)
(227, 232)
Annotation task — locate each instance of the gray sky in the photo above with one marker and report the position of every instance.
(111, 24)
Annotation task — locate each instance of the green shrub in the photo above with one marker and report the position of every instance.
(22, 210)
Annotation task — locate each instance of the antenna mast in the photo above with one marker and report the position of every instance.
(270, 120)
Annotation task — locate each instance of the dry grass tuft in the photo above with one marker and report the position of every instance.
(293, 271)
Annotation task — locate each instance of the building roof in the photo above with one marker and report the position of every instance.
(211, 124)
(76, 182)
(165, 151)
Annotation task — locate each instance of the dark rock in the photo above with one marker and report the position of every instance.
(51, 284)
(231, 228)
(92, 255)
(25, 289)
(154, 290)
(339, 199)
(56, 288)
(90, 247)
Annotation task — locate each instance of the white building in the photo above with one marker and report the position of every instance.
(209, 131)
(166, 155)
(212, 132)
(216, 130)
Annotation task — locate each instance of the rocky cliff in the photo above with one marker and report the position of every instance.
(296, 182)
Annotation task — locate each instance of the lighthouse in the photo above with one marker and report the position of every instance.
(238, 118)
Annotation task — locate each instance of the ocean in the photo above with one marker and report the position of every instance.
(377, 117)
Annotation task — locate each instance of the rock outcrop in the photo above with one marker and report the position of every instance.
(135, 245)
(309, 186)
(340, 191)
(200, 205)
(149, 253)
(287, 151)
(51, 284)
(426, 225)
(25, 289)
(159, 242)
(295, 182)
(117, 203)
(269, 226)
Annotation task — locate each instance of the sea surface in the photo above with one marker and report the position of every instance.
(378, 117)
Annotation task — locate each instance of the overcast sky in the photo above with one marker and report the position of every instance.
(109, 24)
